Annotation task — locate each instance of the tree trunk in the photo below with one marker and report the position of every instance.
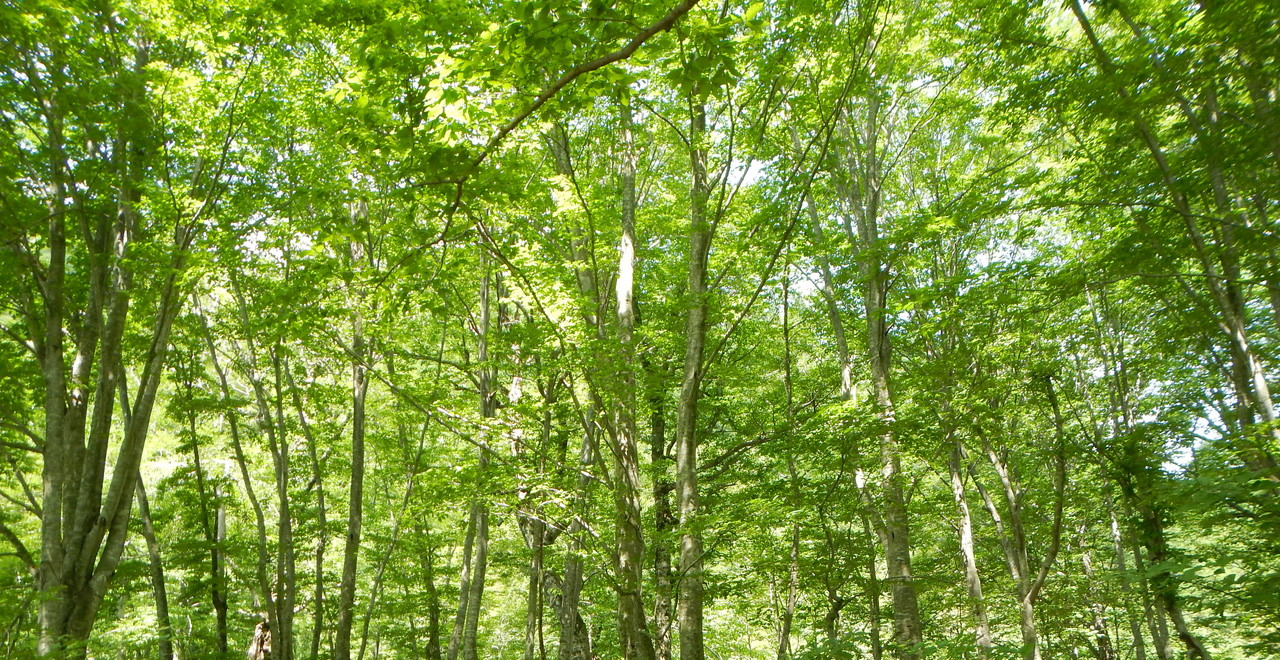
(793, 572)
(1103, 648)
(906, 615)
(537, 533)
(376, 591)
(1135, 626)
(533, 612)
(831, 620)
(635, 638)
(433, 598)
(872, 589)
(695, 334)
(215, 530)
(574, 640)
(464, 583)
(480, 510)
(83, 534)
(322, 522)
(477, 585)
(263, 585)
(1013, 544)
(164, 645)
(355, 506)
(281, 597)
(664, 521)
(286, 576)
(972, 580)
(1156, 623)
(1164, 584)
(219, 595)
(789, 607)
(1013, 540)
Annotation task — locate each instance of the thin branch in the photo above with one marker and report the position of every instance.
(20, 550)
(663, 24)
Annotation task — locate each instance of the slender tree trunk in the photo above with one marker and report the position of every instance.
(1156, 623)
(214, 529)
(263, 556)
(1135, 627)
(477, 586)
(1013, 540)
(793, 572)
(574, 642)
(789, 607)
(972, 580)
(636, 640)
(664, 521)
(1013, 543)
(872, 589)
(1103, 648)
(571, 647)
(907, 631)
(281, 597)
(164, 645)
(322, 521)
(1160, 628)
(536, 534)
(574, 638)
(1164, 584)
(464, 582)
(376, 591)
(219, 594)
(355, 507)
(480, 510)
(286, 572)
(695, 333)
(433, 598)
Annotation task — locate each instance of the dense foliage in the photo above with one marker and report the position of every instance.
(786, 329)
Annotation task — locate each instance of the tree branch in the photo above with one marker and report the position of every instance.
(663, 24)
(20, 550)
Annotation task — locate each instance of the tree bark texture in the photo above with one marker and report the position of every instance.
(164, 646)
(864, 194)
(83, 530)
(355, 500)
(695, 335)
(634, 628)
(972, 580)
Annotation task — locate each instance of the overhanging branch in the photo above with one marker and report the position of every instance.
(663, 24)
